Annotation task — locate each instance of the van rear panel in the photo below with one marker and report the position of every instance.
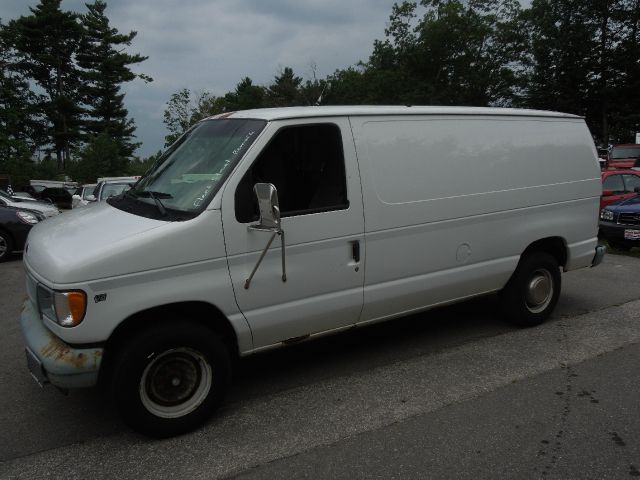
(451, 202)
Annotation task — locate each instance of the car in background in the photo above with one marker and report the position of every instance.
(620, 223)
(81, 195)
(110, 188)
(58, 196)
(15, 224)
(623, 156)
(34, 190)
(618, 185)
(47, 209)
(25, 195)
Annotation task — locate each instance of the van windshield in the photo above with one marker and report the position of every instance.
(188, 174)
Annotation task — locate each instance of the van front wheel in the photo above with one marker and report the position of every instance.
(533, 290)
(168, 380)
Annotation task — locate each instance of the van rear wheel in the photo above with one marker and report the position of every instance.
(532, 291)
(168, 380)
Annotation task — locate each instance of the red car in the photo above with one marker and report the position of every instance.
(623, 156)
(618, 185)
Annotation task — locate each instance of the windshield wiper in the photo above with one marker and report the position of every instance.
(155, 196)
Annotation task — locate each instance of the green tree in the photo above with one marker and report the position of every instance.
(45, 43)
(184, 109)
(285, 90)
(18, 124)
(100, 157)
(105, 67)
(244, 97)
(585, 59)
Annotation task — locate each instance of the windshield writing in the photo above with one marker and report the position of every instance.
(188, 174)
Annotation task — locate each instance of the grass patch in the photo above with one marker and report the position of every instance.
(634, 252)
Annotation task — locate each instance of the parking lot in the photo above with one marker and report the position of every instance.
(454, 392)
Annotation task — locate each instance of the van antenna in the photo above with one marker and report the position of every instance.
(319, 100)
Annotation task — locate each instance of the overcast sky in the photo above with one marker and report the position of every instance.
(212, 44)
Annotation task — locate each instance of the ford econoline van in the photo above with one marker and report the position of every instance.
(263, 228)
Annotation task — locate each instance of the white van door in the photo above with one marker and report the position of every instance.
(314, 169)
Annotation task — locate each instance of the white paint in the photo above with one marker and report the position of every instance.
(422, 183)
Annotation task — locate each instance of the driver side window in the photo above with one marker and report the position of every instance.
(306, 165)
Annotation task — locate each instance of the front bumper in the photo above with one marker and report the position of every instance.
(50, 360)
(612, 232)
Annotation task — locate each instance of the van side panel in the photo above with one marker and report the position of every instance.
(452, 201)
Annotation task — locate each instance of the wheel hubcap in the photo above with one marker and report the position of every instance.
(539, 291)
(175, 383)
(3, 246)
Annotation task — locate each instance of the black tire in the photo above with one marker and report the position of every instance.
(532, 291)
(6, 246)
(168, 380)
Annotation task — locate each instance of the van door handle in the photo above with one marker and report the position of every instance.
(355, 250)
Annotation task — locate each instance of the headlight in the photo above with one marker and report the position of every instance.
(64, 308)
(27, 217)
(606, 215)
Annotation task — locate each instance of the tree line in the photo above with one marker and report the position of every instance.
(565, 55)
(62, 108)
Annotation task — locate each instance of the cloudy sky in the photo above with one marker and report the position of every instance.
(212, 44)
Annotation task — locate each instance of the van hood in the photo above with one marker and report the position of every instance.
(82, 244)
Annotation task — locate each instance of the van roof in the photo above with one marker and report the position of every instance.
(340, 111)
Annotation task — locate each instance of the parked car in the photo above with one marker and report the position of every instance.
(47, 209)
(25, 195)
(58, 196)
(386, 210)
(623, 156)
(81, 195)
(110, 188)
(620, 223)
(15, 224)
(618, 185)
(35, 190)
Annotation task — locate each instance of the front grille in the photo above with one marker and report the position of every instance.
(629, 219)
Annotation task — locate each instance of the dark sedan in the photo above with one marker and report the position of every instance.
(60, 197)
(620, 223)
(15, 224)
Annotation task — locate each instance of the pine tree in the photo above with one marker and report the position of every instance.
(285, 90)
(45, 43)
(105, 67)
(19, 130)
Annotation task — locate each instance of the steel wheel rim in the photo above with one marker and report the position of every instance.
(175, 383)
(3, 247)
(540, 291)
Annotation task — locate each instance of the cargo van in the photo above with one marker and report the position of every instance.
(263, 228)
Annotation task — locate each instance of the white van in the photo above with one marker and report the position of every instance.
(263, 228)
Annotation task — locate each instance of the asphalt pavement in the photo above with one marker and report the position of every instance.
(451, 393)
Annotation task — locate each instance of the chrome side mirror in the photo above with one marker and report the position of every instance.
(269, 207)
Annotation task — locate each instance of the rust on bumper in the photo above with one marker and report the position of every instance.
(62, 365)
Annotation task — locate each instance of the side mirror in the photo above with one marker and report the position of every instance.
(91, 198)
(267, 196)
(607, 193)
(269, 207)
